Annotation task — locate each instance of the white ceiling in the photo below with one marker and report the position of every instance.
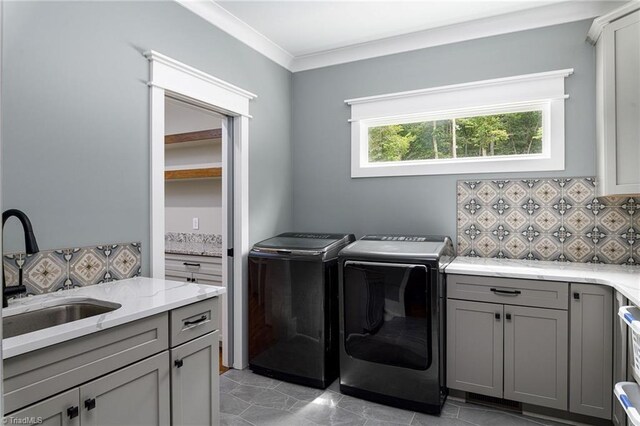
(307, 34)
(308, 27)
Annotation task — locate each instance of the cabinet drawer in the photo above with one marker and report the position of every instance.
(177, 275)
(39, 374)
(545, 294)
(189, 264)
(208, 279)
(193, 321)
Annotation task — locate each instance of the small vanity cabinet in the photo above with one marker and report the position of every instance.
(155, 371)
(511, 339)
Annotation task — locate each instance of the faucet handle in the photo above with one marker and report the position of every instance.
(15, 290)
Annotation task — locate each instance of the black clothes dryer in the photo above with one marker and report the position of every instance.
(392, 320)
(293, 307)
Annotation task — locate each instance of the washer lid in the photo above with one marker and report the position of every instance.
(399, 246)
(302, 241)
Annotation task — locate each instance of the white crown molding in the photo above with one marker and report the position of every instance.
(502, 24)
(215, 14)
(600, 22)
(544, 16)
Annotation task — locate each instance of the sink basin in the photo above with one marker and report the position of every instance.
(52, 315)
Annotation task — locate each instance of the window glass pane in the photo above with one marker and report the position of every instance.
(518, 133)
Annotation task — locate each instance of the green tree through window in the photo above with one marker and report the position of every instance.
(518, 133)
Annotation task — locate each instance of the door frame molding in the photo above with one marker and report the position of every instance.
(168, 76)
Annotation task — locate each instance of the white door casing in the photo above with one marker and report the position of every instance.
(168, 76)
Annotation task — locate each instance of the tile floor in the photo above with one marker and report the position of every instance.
(250, 399)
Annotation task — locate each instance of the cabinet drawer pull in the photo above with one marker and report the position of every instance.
(497, 316)
(506, 292)
(508, 317)
(72, 412)
(576, 296)
(198, 321)
(178, 363)
(195, 265)
(90, 404)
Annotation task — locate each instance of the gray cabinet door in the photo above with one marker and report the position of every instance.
(535, 356)
(619, 108)
(135, 395)
(620, 359)
(474, 347)
(194, 382)
(57, 411)
(591, 350)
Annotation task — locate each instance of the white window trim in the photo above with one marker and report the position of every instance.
(540, 91)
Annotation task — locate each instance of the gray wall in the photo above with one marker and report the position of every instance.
(76, 117)
(327, 199)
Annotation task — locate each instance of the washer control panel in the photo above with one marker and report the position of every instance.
(402, 238)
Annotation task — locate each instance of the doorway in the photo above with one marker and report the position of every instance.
(179, 82)
(197, 193)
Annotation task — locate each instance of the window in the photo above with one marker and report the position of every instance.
(503, 125)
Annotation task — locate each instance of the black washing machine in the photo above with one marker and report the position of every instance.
(293, 307)
(392, 320)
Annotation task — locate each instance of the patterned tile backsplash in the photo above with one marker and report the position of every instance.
(60, 269)
(546, 219)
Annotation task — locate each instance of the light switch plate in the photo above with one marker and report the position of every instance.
(196, 223)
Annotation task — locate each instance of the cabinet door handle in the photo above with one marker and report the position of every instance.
(198, 321)
(497, 315)
(178, 363)
(506, 292)
(90, 404)
(508, 317)
(195, 265)
(576, 296)
(72, 412)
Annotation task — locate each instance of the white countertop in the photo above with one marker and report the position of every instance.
(624, 278)
(139, 297)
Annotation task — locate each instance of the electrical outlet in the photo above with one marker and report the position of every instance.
(196, 223)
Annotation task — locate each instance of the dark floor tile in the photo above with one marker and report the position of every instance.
(231, 420)
(371, 410)
(427, 420)
(263, 416)
(325, 412)
(230, 404)
(302, 393)
(246, 377)
(489, 417)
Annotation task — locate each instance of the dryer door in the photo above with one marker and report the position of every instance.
(387, 313)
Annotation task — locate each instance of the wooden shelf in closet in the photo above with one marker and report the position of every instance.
(200, 135)
(200, 173)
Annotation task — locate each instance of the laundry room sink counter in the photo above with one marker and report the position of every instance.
(623, 278)
(138, 298)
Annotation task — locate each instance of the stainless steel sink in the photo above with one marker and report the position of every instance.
(52, 315)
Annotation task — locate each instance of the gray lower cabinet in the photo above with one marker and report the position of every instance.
(474, 347)
(591, 350)
(135, 395)
(195, 382)
(536, 356)
(133, 374)
(60, 410)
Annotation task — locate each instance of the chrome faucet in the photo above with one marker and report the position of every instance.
(30, 246)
